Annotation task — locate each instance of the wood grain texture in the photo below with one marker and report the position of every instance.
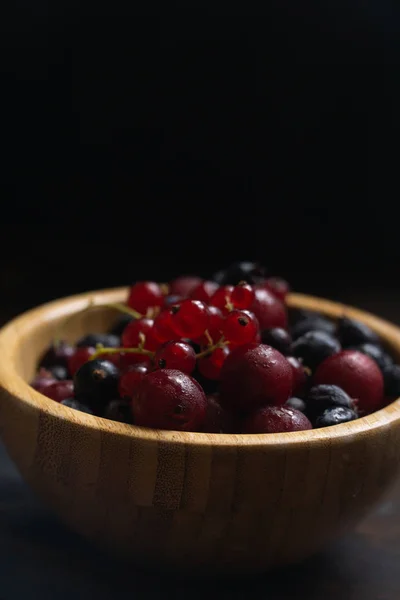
(209, 502)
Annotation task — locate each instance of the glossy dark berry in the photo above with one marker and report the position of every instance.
(172, 299)
(241, 271)
(254, 375)
(314, 347)
(190, 318)
(324, 396)
(382, 358)
(215, 418)
(357, 374)
(169, 399)
(276, 419)
(131, 378)
(72, 403)
(109, 340)
(268, 309)
(392, 381)
(144, 295)
(335, 416)
(119, 410)
(278, 338)
(57, 355)
(312, 323)
(120, 325)
(296, 403)
(79, 358)
(210, 365)
(60, 390)
(240, 327)
(183, 286)
(59, 372)
(176, 355)
(96, 383)
(301, 375)
(352, 333)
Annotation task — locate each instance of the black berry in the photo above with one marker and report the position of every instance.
(241, 271)
(96, 383)
(108, 340)
(119, 410)
(391, 377)
(296, 403)
(352, 333)
(382, 358)
(120, 325)
(278, 338)
(314, 347)
(335, 416)
(325, 396)
(57, 355)
(313, 323)
(72, 403)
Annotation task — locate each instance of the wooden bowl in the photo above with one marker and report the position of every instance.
(190, 501)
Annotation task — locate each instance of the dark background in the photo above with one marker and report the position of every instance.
(143, 145)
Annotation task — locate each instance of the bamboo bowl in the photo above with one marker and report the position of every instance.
(190, 501)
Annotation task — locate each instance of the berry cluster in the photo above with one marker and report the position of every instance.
(223, 355)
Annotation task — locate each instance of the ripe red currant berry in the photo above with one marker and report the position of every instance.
(357, 374)
(269, 311)
(255, 375)
(222, 297)
(128, 360)
(278, 286)
(204, 291)
(130, 379)
(131, 336)
(210, 365)
(60, 390)
(169, 399)
(162, 330)
(214, 327)
(80, 356)
(242, 295)
(42, 380)
(218, 419)
(240, 327)
(176, 355)
(276, 419)
(145, 294)
(190, 318)
(183, 286)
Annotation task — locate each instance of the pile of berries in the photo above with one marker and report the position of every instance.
(224, 355)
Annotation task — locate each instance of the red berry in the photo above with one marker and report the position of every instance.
(60, 390)
(114, 358)
(162, 327)
(176, 355)
(278, 286)
(169, 399)
(80, 356)
(276, 419)
(242, 296)
(222, 297)
(42, 380)
(130, 380)
(214, 326)
(131, 335)
(210, 365)
(300, 377)
(269, 311)
(129, 359)
(240, 327)
(57, 355)
(357, 374)
(218, 420)
(190, 318)
(254, 375)
(144, 295)
(204, 291)
(183, 286)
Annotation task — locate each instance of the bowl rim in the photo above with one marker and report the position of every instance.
(14, 384)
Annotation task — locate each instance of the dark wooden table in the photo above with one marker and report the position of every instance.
(39, 558)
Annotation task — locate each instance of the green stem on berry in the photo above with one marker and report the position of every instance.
(91, 305)
(209, 338)
(210, 349)
(104, 350)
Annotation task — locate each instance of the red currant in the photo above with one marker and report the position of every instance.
(190, 319)
(80, 356)
(183, 286)
(60, 390)
(242, 295)
(176, 355)
(130, 380)
(240, 327)
(277, 286)
(129, 359)
(42, 380)
(214, 327)
(222, 297)
(210, 365)
(132, 334)
(162, 327)
(269, 311)
(218, 420)
(276, 419)
(145, 294)
(204, 291)
(169, 399)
